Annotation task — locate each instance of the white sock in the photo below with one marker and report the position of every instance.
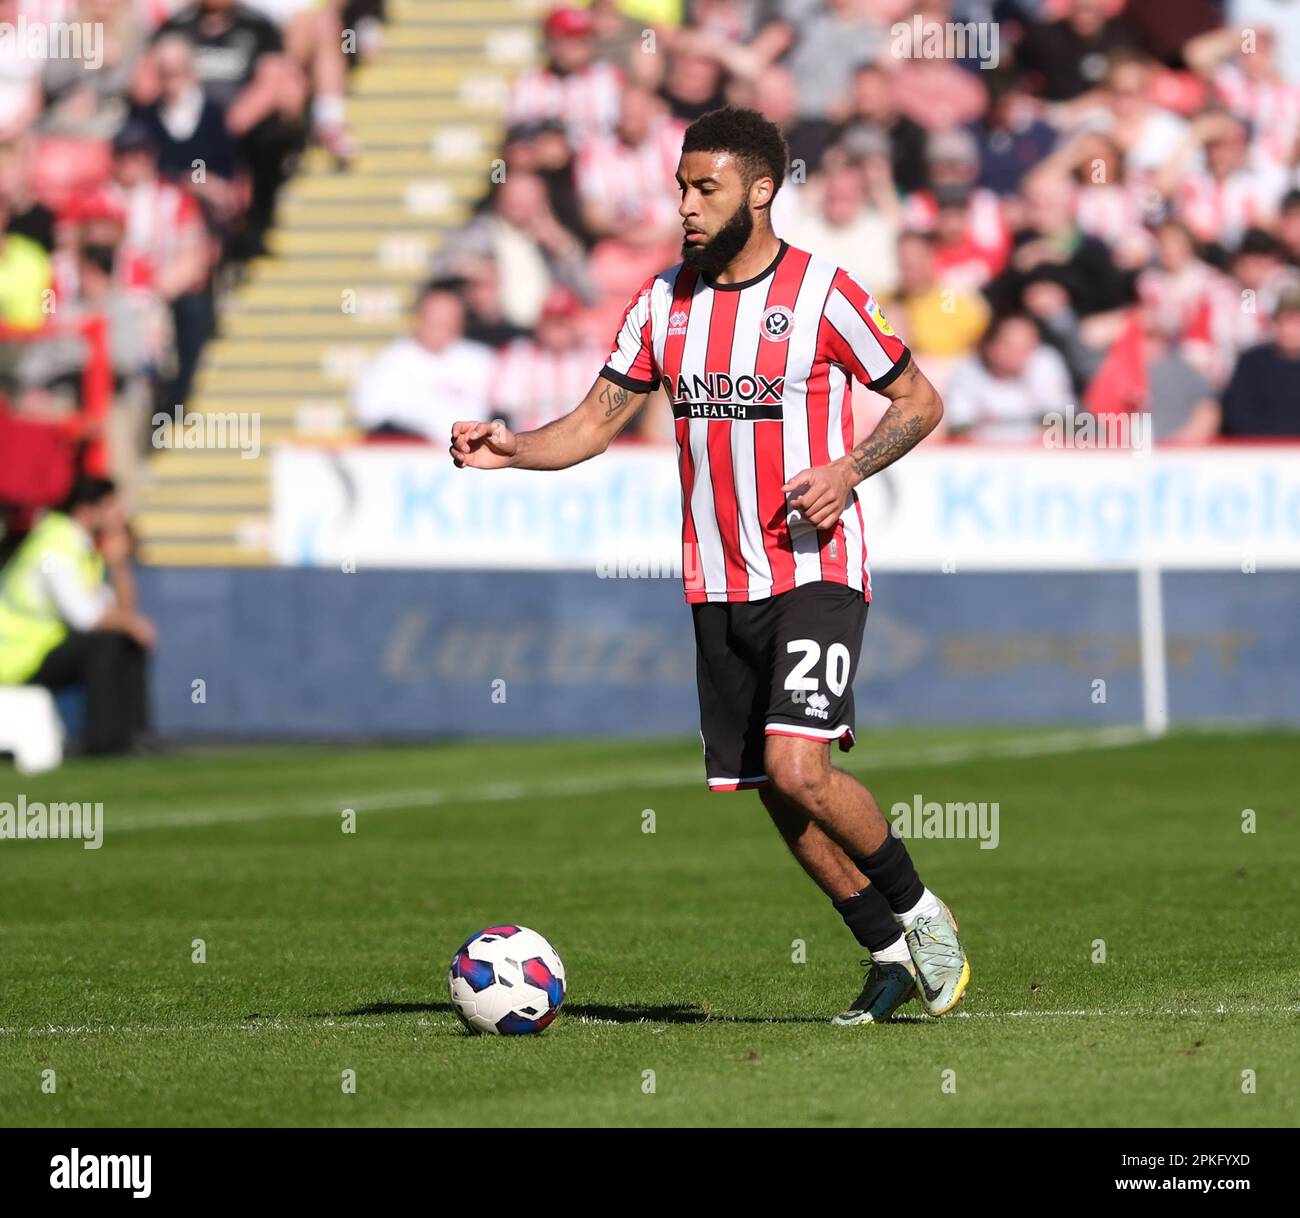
(895, 953)
(327, 110)
(928, 906)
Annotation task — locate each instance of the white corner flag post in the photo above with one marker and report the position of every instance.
(1151, 611)
(1151, 636)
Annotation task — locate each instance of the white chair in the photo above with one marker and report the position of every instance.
(30, 728)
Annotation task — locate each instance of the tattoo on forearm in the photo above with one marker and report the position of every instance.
(894, 435)
(613, 398)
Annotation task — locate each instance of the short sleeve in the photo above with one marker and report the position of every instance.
(860, 339)
(631, 361)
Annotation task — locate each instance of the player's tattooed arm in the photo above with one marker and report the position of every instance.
(914, 411)
(613, 398)
(583, 432)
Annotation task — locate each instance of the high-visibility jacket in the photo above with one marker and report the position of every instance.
(30, 624)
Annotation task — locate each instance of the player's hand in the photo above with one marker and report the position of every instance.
(819, 494)
(482, 445)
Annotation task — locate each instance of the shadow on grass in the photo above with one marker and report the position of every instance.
(667, 1013)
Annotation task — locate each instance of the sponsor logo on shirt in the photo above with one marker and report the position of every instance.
(719, 395)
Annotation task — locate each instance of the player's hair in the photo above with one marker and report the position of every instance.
(757, 144)
(86, 491)
(452, 285)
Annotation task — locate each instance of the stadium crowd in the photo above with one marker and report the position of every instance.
(131, 189)
(1103, 214)
(1097, 207)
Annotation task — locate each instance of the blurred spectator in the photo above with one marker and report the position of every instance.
(1216, 193)
(1261, 272)
(1261, 398)
(24, 277)
(1164, 28)
(1050, 246)
(845, 219)
(1143, 131)
(1144, 372)
(941, 324)
(832, 42)
(313, 43)
(485, 320)
(543, 148)
(140, 341)
(1194, 305)
(938, 93)
(626, 181)
(1108, 205)
(873, 105)
(1067, 58)
(776, 98)
(693, 84)
(1012, 138)
(20, 77)
(1282, 17)
(735, 34)
(87, 95)
(242, 67)
(1002, 393)
(973, 237)
(62, 624)
(1180, 400)
(189, 131)
(164, 250)
(572, 85)
(539, 379)
(420, 385)
(1252, 86)
(533, 250)
(27, 214)
(1288, 226)
(617, 38)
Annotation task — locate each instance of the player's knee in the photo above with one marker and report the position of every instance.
(797, 769)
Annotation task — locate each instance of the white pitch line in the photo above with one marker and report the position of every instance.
(665, 777)
(1178, 1013)
(367, 1024)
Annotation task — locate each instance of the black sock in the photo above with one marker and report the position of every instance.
(890, 870)
(868, 916)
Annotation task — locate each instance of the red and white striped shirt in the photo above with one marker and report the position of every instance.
(1271, 107)
(588, 101)
(758, 377)
(636, 183)
(1221, 209)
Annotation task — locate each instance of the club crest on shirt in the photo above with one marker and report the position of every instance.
(777, 323)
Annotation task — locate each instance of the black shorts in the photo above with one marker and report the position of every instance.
(780, 666)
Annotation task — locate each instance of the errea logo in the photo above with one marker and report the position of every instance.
(677, 323)
(818, 706)
(777, 323)
(76, 1170)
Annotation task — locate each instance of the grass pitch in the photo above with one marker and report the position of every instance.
(327, 951)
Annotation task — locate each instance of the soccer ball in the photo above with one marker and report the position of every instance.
(506, 980)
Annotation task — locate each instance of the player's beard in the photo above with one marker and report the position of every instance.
(714, 255)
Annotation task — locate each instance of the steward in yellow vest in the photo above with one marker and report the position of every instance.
(62, 623)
